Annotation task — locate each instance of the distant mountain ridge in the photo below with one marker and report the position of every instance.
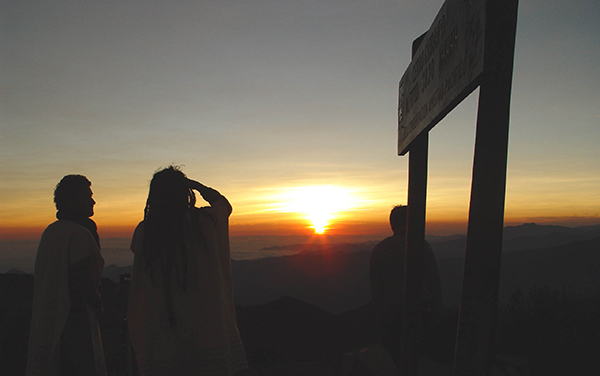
(573, 266)
(515, 238)
(336, 277)
(527, 236)
(534, 229)
(336, 247)
(309, 309)
(339, 281)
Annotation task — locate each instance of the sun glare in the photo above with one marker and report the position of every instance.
(318, 204)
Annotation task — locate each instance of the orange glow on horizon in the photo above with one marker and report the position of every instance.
(320, 205)
(281, 220)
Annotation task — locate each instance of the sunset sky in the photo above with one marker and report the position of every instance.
(275, 101)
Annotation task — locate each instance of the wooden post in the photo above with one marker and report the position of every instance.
(413, 258)
(469, 44)
(413, 250)
(475, 343)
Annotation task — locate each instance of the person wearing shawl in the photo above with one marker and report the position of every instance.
(181, 314)
(64, 337)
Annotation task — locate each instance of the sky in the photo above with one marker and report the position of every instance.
(281, 105)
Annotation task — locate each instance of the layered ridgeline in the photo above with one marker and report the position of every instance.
(306, 310)
(335, 277)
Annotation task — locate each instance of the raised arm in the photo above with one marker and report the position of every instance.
(211, 195)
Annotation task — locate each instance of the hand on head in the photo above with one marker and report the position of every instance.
(193, 184)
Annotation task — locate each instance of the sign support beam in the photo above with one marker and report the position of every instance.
(470, 43)
(475, 344)
(413, 256)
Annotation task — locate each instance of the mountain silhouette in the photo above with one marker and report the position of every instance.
(524, 237)
(289, 332)
(533, 229)
(574, 266)
(16, 294)
(267, 329)
(339, 281)
(334, 281)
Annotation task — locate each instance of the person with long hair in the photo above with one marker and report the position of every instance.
(181, 313)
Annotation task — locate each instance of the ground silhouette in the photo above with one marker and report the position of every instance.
(549, 315)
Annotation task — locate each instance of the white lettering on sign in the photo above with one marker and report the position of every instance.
(444, 69)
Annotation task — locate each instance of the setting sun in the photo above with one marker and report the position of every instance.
(318, 204)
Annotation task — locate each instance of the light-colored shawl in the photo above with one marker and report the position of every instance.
(63, 243)
(205, 340)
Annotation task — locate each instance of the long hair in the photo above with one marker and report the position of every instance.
(165, 227)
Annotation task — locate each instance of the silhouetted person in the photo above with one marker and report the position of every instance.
(64, 337)
(181, 314)
(387, 281)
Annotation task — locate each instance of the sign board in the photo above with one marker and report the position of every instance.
(444, 69)
(471, 43)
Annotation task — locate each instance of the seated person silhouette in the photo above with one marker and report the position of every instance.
(387, 282)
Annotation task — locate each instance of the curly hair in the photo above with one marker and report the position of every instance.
(68, 188)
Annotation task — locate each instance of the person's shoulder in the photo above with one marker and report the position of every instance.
(221, 206)
(390, 240)
(53, 226)
(201, 215)
(65, 229)
(388, 246)
(384, 245)
(65, 226)
(210, 211)
(427, 246)
(139, 227)
(137, 238)
(52, 229)
(72, 228)
(202, 211)
(139, 230)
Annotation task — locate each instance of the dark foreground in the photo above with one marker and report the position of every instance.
(551, 330)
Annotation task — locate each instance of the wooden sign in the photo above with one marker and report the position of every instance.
(444, 70)
(471, 43)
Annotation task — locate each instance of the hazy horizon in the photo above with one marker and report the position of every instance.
(288, 108)
(20, 253)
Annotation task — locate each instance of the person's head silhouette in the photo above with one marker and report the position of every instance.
(398, 217)
(169, 194)
(73, 195)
